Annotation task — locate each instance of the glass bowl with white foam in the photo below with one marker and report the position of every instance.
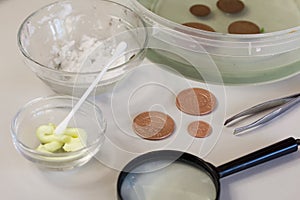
(67, 43)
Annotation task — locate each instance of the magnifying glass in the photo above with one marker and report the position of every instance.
(171, 175)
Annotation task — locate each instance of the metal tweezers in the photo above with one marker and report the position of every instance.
(284, 103)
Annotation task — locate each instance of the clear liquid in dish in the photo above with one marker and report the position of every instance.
(257, 11)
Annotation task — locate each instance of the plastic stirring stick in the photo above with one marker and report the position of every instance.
(120, 49)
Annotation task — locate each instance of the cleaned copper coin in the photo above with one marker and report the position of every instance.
(153, 125)
(200, 10)
(199, 26)
(199, 129)
(243, 27)
(230, 6)
(196, 101)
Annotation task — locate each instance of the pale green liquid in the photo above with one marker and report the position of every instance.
(271, 15)
(173, 182)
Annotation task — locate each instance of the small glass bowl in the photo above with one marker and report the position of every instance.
(56, 39)
(54, 109)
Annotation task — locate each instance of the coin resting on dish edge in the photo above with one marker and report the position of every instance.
(198, 25)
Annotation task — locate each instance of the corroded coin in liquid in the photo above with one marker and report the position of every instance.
(199, 26)
(243, 27)
(196, 101)
(199, 129)
(230, 6)
(153, 125)
(200, 10)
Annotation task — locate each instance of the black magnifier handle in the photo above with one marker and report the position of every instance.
(276, 150)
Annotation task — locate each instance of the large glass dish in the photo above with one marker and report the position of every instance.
(239, 58)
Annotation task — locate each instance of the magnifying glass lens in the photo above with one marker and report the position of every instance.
(168, 181)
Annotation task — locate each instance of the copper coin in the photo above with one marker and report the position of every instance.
(196, 101)
(199, 26)
(199, 129)
(243, 27)
(153, 125)
(230, 6)
(200, 10)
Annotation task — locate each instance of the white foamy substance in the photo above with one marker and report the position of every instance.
(174, 182)
(87, 55)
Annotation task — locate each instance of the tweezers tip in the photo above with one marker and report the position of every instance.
(227, 122)
(237, 132)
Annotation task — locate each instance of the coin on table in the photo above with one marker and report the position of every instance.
(196, 101)
(199, 129)
(153, 125)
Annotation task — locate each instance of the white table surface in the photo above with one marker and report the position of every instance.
(20, 179)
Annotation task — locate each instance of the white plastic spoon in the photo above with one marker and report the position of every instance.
(120, 49)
